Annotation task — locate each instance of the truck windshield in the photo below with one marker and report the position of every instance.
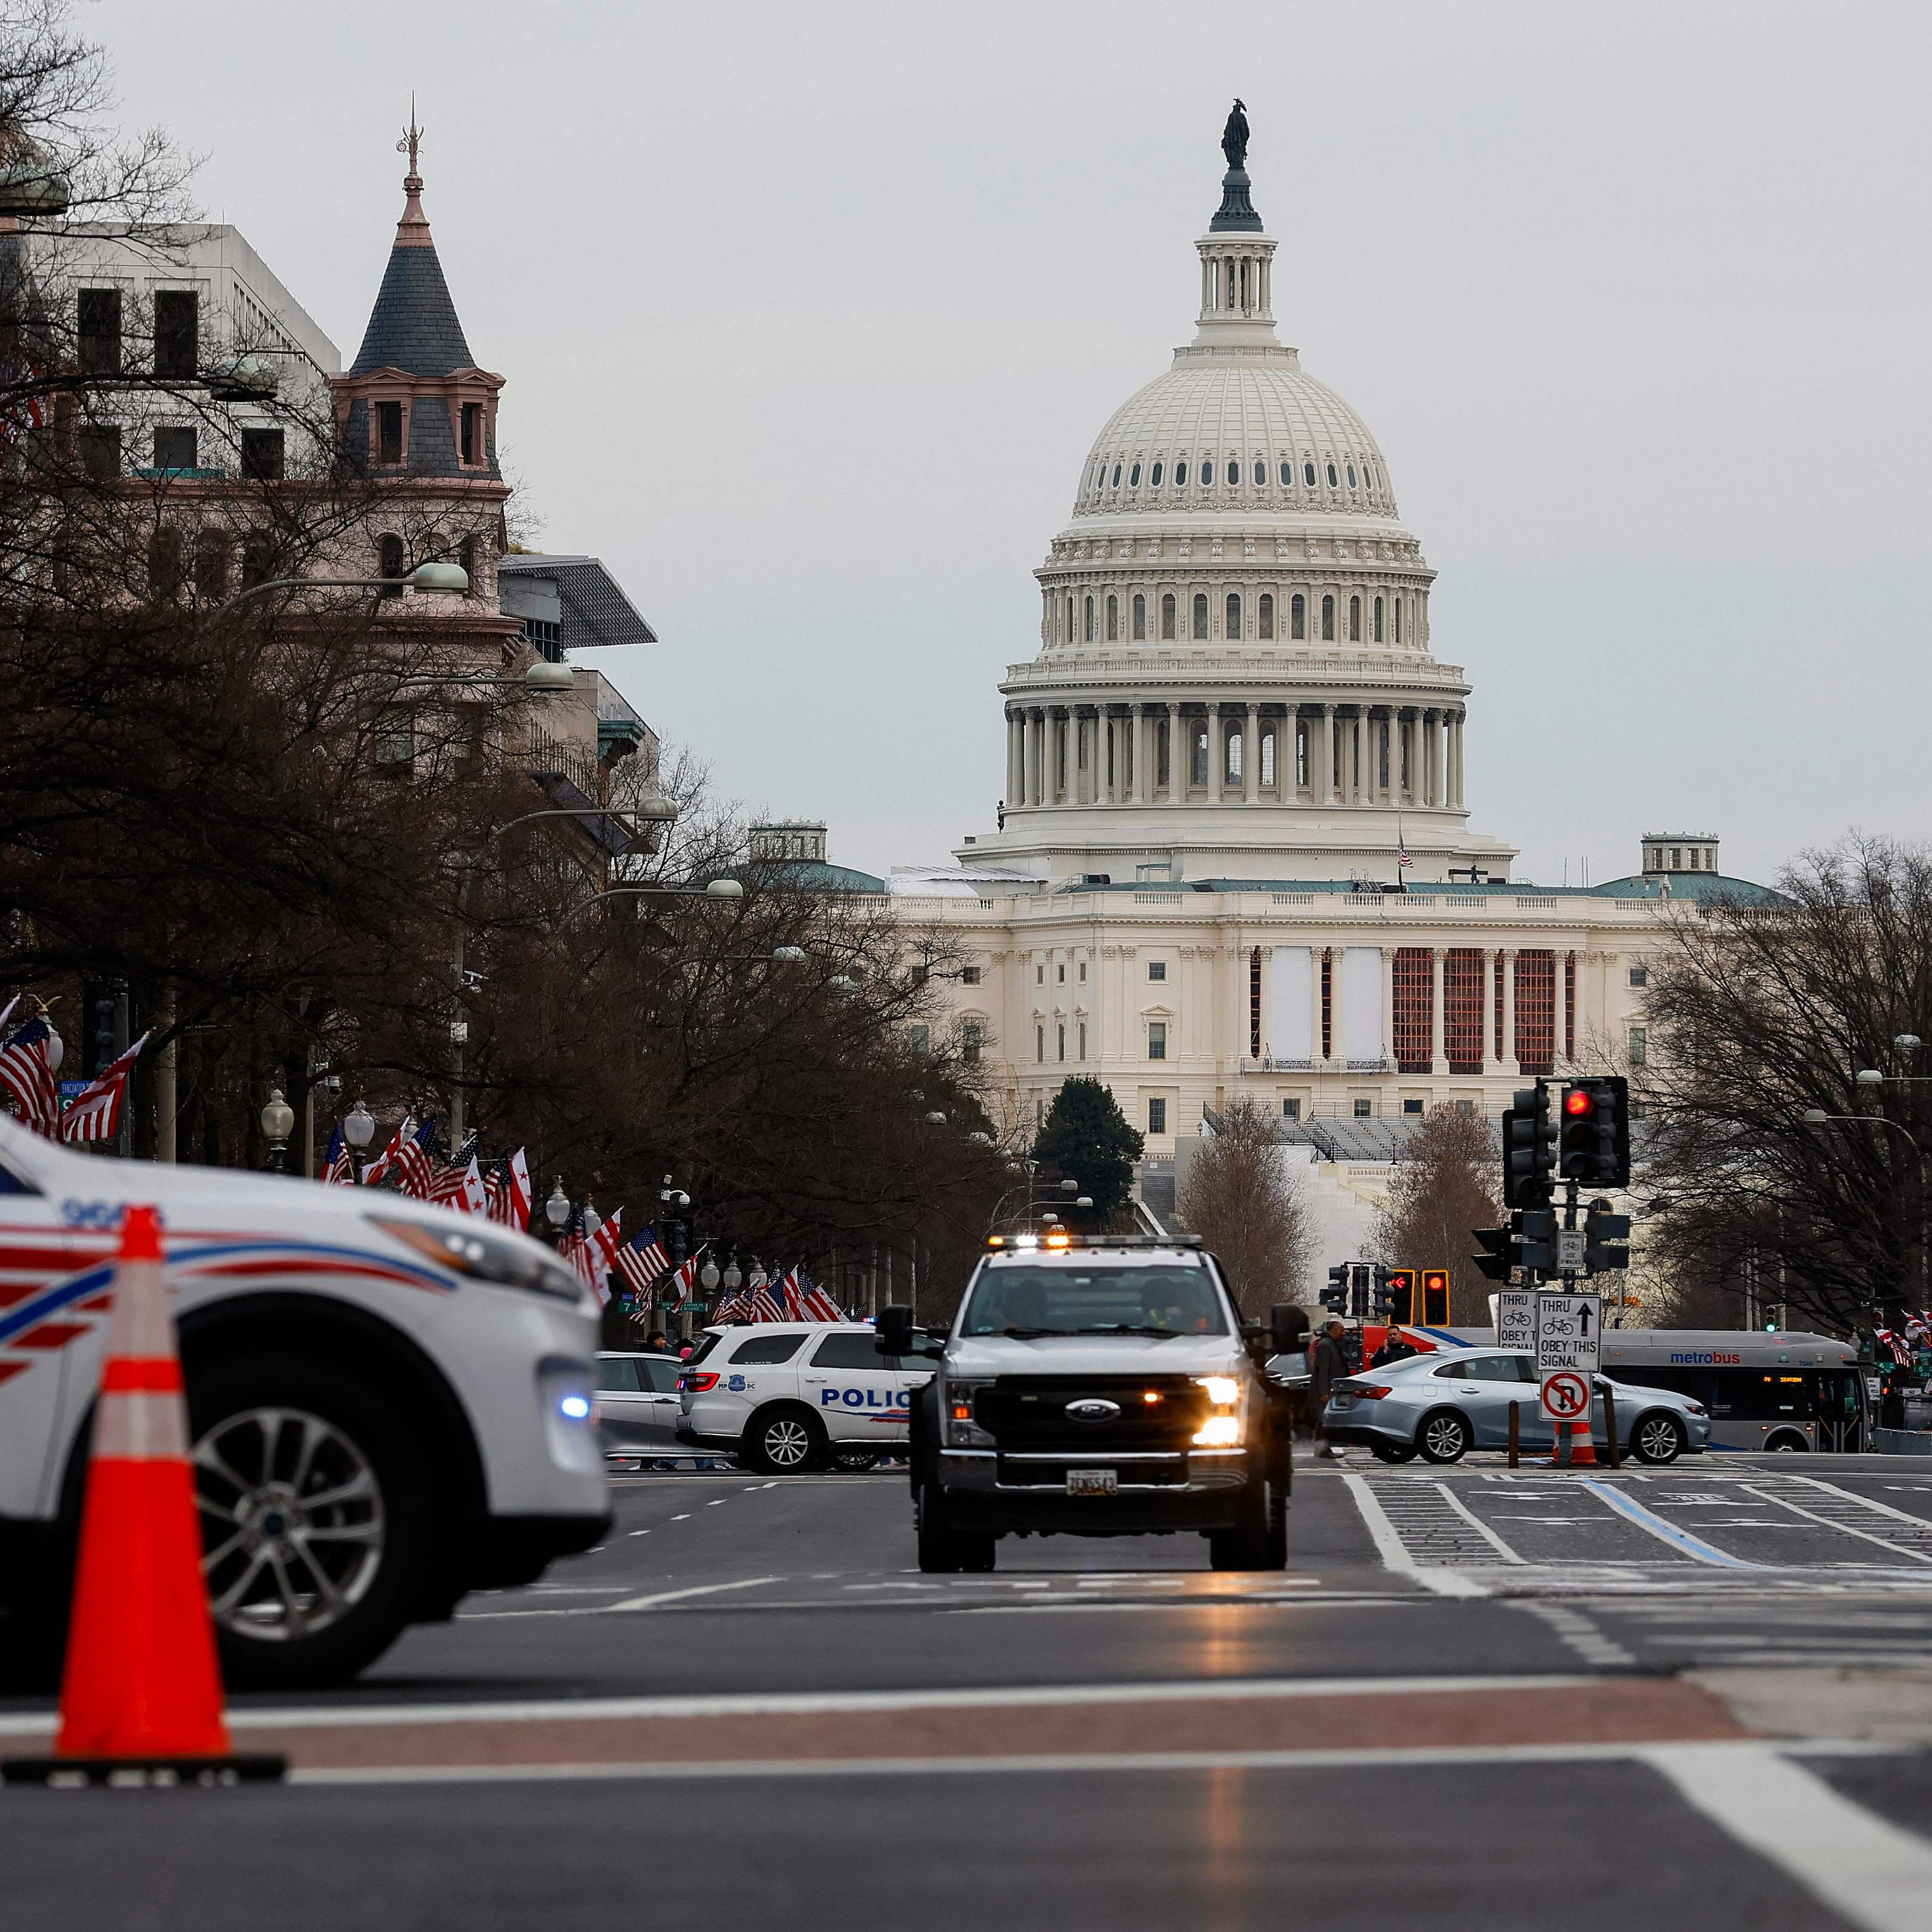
(1098, 1300)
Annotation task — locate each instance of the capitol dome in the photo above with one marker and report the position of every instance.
(1242, 429)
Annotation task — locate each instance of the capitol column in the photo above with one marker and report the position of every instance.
(1014, 780)
(1216, 753)
(1322, 762)
(1143, 729)
(1492, 1060)
(1506, 1046)
(1251, 756)
(1456, 760)
(1029, 758)
(1438, 1055)
(1388, 1006)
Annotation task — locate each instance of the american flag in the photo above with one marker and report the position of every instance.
(95, 1113)
(27, 1076)
(459, 1188)
(1402, 860)
(338, 1165)
(415, 1166)
(641, 1260)
(1899, 1347)
(378, 1169)
(764, 1305)
(578, 1253)
(818, 1306)
(507, 1189)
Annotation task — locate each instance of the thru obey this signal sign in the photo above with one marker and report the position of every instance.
(1566, 1395)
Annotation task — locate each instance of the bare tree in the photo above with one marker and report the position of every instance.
(1242, 1198)
(1445, 1186)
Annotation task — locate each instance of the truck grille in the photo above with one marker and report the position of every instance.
(1030, 1413)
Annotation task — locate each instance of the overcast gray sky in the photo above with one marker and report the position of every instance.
(810, 313)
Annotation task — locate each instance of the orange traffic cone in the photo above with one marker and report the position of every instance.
(1582, 1449)
(141, 1700)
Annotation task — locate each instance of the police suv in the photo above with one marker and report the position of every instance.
(793, 1396)
(389, 1404)
(1105, 1387)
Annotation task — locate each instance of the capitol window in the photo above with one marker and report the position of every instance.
(1231, 765)
(1297, 615)
(1156, 969)
(1287, 472)
(1378, 620)
(1082, 1042)
(1155, 479)
(1116, 476)
(1039, 1043)
(1134, 477)
(1140, 618)
(1167, 617)
(1201, 615)
(1261, 472)
(1233, 471)
(1268, 757)
(1327, 620)
(1308, 474)
(1639, 1046)
(1156, 1040)
(1333, 479)
(1398, 620)
(1355, 620)
(1351, 476)
(1640, 975)
(1090, 620)
(970, 1039)
(1200, 758)
(1234, 614)
(1060, 1034)
(969, 976)
(1156, 1115)
(1113, 620)
(1265, 615)
(1181, 476)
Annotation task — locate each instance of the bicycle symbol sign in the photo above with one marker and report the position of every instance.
(1566, 1395)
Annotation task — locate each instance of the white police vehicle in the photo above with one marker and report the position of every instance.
(785, 1396)
(389, 1404)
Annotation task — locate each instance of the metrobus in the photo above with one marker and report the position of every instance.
(1778, 1391)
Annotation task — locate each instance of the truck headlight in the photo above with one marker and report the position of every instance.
(1223, 1429)
(956, 1415)
(485, 1255)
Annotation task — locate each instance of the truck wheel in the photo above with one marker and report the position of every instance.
(1259, 1541)
(315, 1517)
(858, 1461)
(784, 1442)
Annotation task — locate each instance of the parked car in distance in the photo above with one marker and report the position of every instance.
(637, 1405)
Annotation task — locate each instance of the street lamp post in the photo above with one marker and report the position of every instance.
(278, 1122)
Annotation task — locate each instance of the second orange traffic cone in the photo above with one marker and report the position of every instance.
(141, 1699)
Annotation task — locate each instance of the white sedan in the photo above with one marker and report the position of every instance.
(389, 1404)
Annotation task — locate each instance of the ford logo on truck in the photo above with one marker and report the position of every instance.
(1093, 1409)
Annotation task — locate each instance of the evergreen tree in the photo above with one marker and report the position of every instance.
(1086, 1139)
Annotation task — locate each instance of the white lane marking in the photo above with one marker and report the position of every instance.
(1394, 1757)
(1394, 1552)
(684, 1518)
(814, 1703)
(641, 1532)
(1673, 1534)
(717, 1502)
(1863, 1535)
(1864, 1502)
(1875, 1874)
(1092, 1605)
(1589, 1642)
(1476, 1523)
(658, 1597)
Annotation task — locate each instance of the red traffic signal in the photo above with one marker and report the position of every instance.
(1579, 1102)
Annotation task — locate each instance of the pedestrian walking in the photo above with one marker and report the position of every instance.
(1328, 1365)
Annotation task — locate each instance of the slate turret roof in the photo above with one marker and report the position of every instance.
(413, 325)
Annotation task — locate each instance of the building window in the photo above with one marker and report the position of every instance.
(1297, 615)
(1351, 476)
(1287, 472)
(395, 745)
(1113, 620)
(1059, 1033)
(1640, 975)
(100, 331)
(211, 567)
(1308, 474)
(389, 563)
(1265, 615)
(473, 432)
(1087, 624)
(922, 1039)
(389, 432)
(1156, 969)
(1155, 479)
(1327, 620)
(1140, 618)
(1060, 972)
(1167, 617)
(1156, 1040)
(1415, 1000)
(1116, 484)
(1082, 1042)
(1201, 617)
(1363, 1109)
(1083, 970)
(969, 976)
(1536, 1011)
(1268, 766)
(100, 446)
(177, 320)
(258, 560)
(1039, 975)
(1200, 760)
(969, 1042)
(164, 565)
(261, 455)
(1409, 1106)
(1355, 620)
(1234, 614)
(1156, 1116)
(1291, 1108)
(1462, 1009)
(1261, 472)
(175, 448)
(1234, 472)
(1378, 620)
(1039, 1043)
(1181, 476)
(1231, 770)
(1333, 478)
(1134, 477)
(1639, 1046)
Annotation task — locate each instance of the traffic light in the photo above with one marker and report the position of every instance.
(1335, 1296)
(1605, 1236)
(1498, 1252)
(1382, 1296)
(1435, 1297)
(1595, 1147)
(1402, 1294)
(1529, 1148)
(1363, 1278)
(1536, 1247)
(103, 1024)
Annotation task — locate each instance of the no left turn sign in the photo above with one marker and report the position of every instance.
(1566, 1395)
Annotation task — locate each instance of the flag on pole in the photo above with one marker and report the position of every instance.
(27, 1076)
(378, 1169)
(641, 1260)
(763, 1303)
(95, 1113)
(338, 1165)
(578, 1253)
(682, 1283)
(459, 1188)
(818, 1306)
(1402, 860)
(507, 1191)
(414, 1165)
(609, 1238)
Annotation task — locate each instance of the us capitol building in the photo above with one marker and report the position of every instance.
(1235, 855)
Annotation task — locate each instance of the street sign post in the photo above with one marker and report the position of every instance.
(1568, 1334)
(1515, 1318)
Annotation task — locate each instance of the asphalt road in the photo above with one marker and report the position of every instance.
(1699, 1696)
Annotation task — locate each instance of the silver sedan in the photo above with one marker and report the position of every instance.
(1441, 1406)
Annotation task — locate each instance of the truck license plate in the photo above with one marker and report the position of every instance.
(1093, 1482)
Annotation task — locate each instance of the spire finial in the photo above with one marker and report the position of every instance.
(1237, 210)
(412, 231)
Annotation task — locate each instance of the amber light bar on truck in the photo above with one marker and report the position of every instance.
(1058, 1237)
